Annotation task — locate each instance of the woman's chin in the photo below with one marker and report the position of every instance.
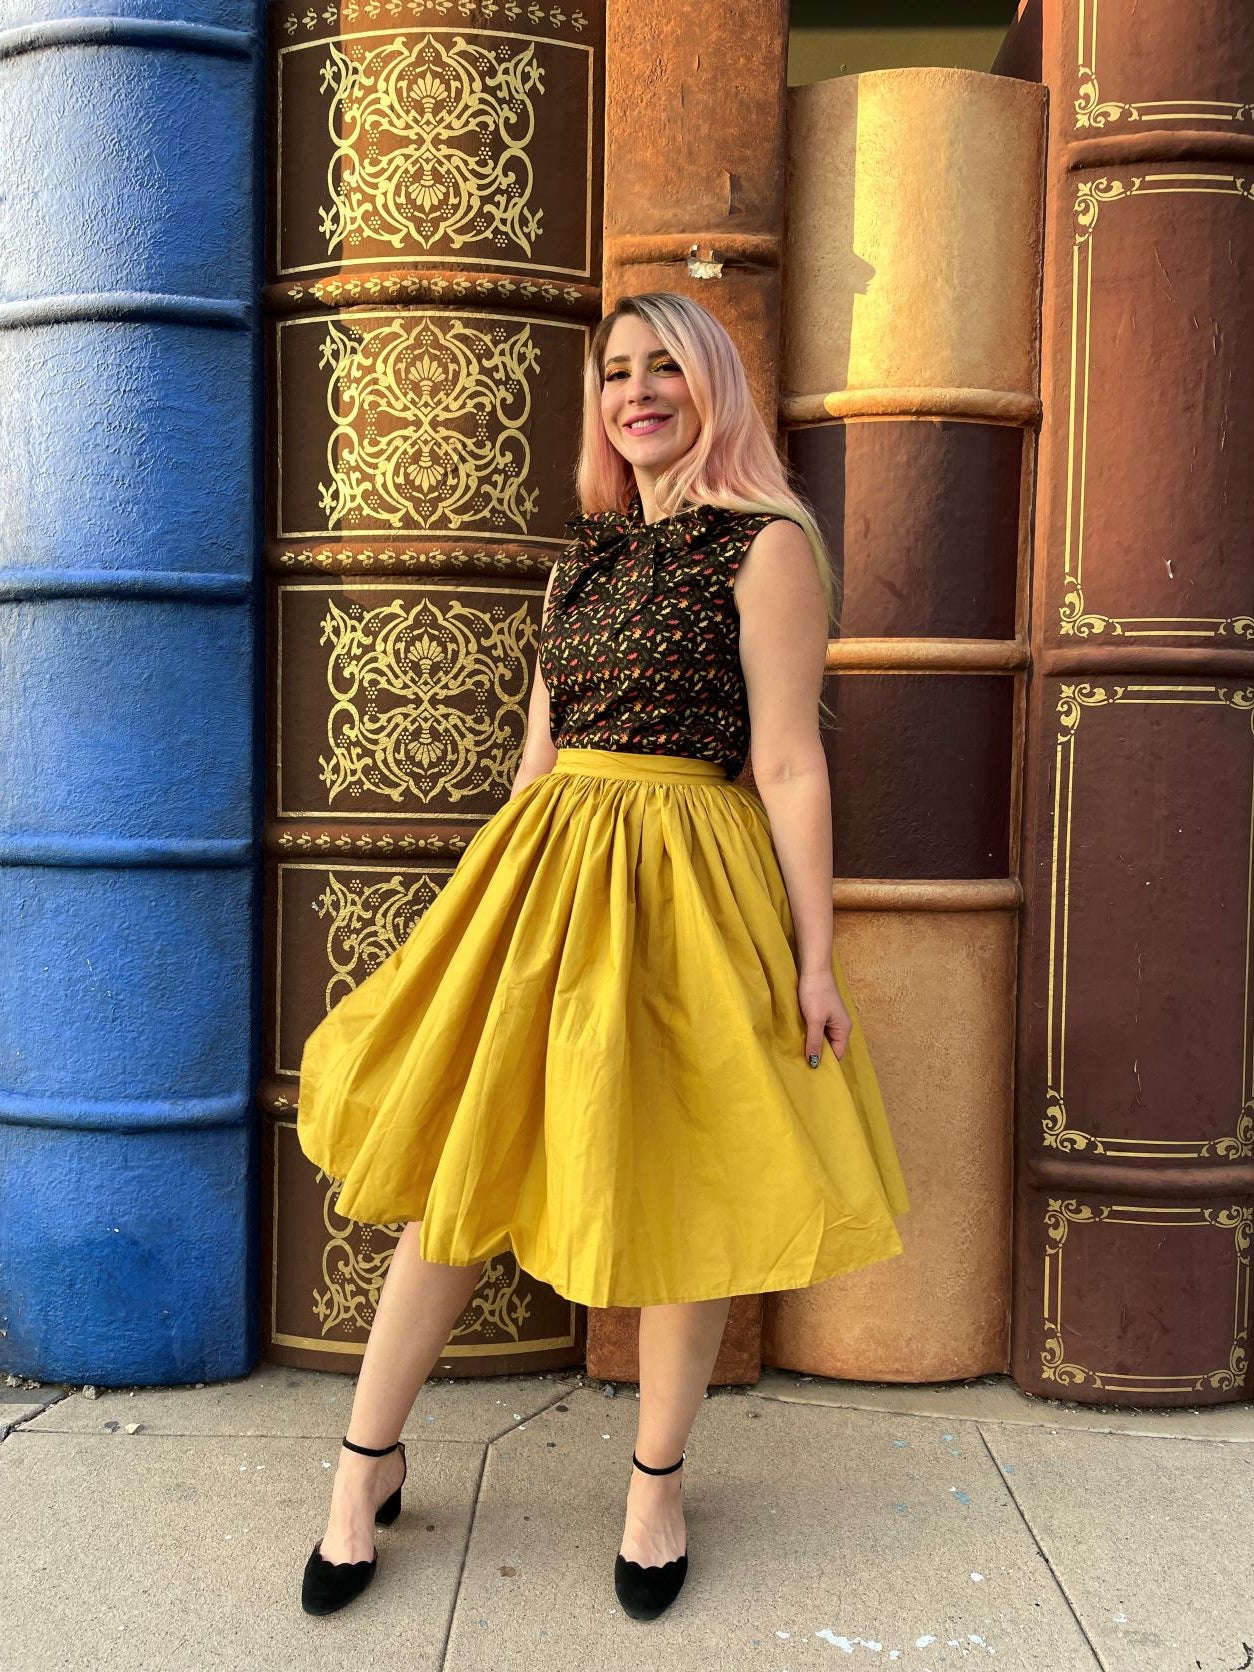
(641, 456)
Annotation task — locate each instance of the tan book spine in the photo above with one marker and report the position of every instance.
(911, 273)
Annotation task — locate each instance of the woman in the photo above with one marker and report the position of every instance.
(618, 1043)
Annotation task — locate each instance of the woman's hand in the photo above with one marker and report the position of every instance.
(825, 1015)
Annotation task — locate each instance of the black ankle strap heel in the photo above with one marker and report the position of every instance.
(645, 1592)
(390, 1508)
(329, 1586)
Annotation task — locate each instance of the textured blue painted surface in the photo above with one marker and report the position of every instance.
(130, 176)
(134, 1235)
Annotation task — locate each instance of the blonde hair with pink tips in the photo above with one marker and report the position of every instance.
(732, 463)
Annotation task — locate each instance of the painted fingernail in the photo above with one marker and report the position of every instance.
(814, 1060)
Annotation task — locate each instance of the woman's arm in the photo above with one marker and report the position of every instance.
(538, 751)
(783, 650)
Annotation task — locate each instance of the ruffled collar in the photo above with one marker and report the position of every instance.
(604, 538)
(596, 526)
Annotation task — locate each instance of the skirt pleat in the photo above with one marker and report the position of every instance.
(589, 1053)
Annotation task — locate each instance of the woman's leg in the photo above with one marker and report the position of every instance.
(678, 1347)
(418, 1305)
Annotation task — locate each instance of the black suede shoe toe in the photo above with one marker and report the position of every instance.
(645, 1592)
(328, 1586)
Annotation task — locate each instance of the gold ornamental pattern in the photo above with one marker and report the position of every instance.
(428, 698)
(355, 1261)
(1093, 111)
(429, 143)
(1076, 615)
(1060, 1130)
(1235, 1222)
(429, 424)
(367, 922)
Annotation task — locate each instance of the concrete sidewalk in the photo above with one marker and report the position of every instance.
(830, 1524)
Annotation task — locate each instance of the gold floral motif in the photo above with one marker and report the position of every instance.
(1057, 1132)
(428, 698)
(430, 142)
(429, 424)
(1089, 197)
(1056, 1367)
(367, 923)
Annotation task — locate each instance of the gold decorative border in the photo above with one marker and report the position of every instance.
(367, 1277)
(1057, 1133)
(420, 288)
(331, 815)
(407, 560)
(1073, 617)
(535, 15)
(471, 10)
(1092, 111)
(365, 843)
(1056, 1367)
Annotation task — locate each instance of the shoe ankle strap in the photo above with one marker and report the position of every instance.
(370, 1451)
(668, 1470)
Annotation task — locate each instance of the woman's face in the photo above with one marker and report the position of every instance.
(646, 407)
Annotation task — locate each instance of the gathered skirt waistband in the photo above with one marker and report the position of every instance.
(636, 766)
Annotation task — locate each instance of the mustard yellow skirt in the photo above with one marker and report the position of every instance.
(590, 1053)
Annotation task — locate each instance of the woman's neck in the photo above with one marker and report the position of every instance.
(646, 488)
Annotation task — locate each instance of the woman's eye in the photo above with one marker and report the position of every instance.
(667, 366)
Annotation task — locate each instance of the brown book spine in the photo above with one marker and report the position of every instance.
(1135, 1108)
(427, 317)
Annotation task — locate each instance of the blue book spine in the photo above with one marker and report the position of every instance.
(130, 263)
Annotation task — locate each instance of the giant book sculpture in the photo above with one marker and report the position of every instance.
(1135, 1174)
(435, 258)
(128, 807)
(694, 187)
(911, 266)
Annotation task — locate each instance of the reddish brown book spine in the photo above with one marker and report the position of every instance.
(1135, 1107)
(694, 203)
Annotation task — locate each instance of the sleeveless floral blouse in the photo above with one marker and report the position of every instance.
(641, 650)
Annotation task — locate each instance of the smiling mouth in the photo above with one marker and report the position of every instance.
(646, 426)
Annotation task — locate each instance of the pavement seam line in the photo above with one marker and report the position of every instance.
(13, 1427)
(1031, 1532)
(933, 1414)
(461, 1571)
(513, 1427)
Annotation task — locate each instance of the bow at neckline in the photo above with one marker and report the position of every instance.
(603, 539)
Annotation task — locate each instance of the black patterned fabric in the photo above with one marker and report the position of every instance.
(641, 650)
